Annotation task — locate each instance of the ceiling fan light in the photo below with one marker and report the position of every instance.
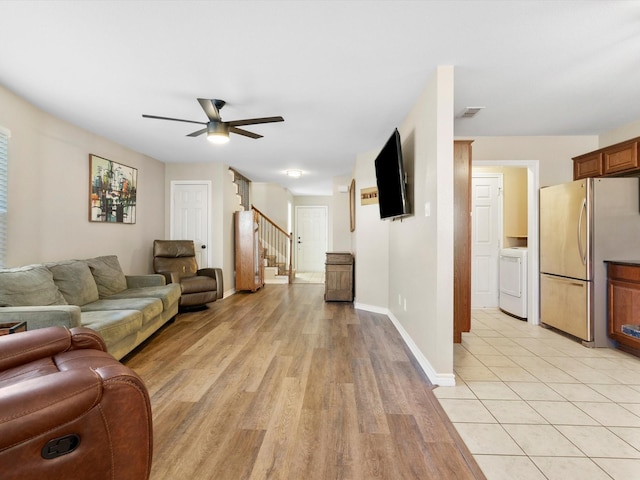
(217, 133)
(218, 138)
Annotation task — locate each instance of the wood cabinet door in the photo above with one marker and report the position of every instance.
(589, 165)
(620, 158)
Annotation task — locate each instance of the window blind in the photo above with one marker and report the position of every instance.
(4, 156)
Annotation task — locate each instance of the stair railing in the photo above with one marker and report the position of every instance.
(277, 244)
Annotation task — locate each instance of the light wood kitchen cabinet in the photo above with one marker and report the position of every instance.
(249, 252)
(620, 159)
(623, 285)
(338, 282)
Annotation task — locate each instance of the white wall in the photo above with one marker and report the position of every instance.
(48, 197)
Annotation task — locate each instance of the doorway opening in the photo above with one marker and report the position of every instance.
(531, 241)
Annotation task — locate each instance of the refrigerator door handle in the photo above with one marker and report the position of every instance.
(581, 249)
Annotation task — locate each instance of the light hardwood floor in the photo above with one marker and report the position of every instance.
(279, 384)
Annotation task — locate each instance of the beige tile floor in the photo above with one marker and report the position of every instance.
(533, 404)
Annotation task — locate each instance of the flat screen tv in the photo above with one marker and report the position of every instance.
(392, 180)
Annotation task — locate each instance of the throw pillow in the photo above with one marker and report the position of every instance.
(28, 286)
(108, 275)
(75, 282)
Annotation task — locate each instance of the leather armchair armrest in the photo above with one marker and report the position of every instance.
(170, 277)
(217, 274)
(40, 404)
(86, 338)
(25, 347)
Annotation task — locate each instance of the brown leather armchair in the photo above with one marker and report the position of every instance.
(176, 260)
(69, 410)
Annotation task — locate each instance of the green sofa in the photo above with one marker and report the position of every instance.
(95, 293)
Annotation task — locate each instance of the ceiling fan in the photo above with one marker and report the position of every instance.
(218, 131)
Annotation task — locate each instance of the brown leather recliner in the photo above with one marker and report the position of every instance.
(69, 410)
(176, 260)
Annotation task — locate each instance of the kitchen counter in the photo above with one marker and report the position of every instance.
(632, 263)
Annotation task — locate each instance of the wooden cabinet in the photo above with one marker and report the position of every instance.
(249, 252)
(620, 159)
(461, 238)
(338, 282)
(623, 285)
(587, 165)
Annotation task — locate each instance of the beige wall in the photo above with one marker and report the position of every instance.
(272, 200)
(410, 262)
(341, 224)
(370, 242)
(49, 193)
(554, 154)
(625, 132)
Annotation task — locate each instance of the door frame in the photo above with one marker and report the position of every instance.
(533, 215)
(172, 187)
(326, 228)
(500, 177)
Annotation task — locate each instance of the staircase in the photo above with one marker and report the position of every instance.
(277, 248)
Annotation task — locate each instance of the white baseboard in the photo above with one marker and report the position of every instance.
(370, 308)
(441, 379)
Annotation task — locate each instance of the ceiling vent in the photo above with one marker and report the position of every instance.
(470, 112)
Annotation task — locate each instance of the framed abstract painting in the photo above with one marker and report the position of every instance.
(112, 191)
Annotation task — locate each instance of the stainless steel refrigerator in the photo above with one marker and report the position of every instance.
(583, 224)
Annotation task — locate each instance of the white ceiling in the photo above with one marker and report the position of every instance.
(343, 74)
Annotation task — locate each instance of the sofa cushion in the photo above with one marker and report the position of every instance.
(169, 294)
(149, 307)
(74, 280)
(31, 285)
(113, 325)
(108, 275)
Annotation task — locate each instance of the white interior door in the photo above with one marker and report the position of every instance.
(486, 236)
(190, 216)
(311, 238)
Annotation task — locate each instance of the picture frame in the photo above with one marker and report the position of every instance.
(113, 189)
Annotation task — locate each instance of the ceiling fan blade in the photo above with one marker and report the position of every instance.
(210, 109)
(197, 132)
(173, 119)
(246, 133)
(254, 121)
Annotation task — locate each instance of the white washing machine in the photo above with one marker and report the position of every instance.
(513, 281)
